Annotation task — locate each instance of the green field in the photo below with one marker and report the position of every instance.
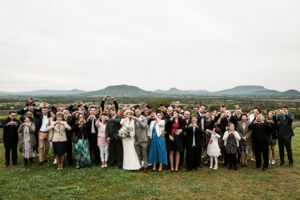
(45, 182)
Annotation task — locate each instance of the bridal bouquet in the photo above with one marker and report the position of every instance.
(124, 132)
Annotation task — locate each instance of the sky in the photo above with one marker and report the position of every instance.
(157, 44)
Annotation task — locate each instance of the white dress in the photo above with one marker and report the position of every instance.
(130, 158)
(213, 149)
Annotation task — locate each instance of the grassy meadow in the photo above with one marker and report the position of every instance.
(45, 182)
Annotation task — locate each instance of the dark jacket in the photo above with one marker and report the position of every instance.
(285, 125)
(89, 125)
(10, 132)
(81, 133)
(198, 137)
(260, 133)
(112, 127)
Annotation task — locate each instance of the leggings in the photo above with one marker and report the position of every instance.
(103, 153)
(211, 161)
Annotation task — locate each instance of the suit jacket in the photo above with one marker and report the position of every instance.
(198, 137)
(140, 125)
(112, 127)
(245, 133)
(89, 125)
(260, 133)
(10, 132)
(285, 125)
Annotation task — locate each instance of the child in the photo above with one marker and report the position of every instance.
(102, 143)
(231, 141)
(213, 149)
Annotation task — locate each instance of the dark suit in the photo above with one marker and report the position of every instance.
(194, 140)
(69, 134)
(93, 138)
(115, 146)
(10, 140)
(184, 126)
(260, 141)
(285, 134)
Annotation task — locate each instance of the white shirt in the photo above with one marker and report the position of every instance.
(194, 142)
(44, 124)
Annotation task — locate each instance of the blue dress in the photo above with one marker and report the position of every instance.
(158, 151)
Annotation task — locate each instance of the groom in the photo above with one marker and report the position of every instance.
(141, 139)
(115, 142)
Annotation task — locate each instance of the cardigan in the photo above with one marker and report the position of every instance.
(160, 127)
(236, 136)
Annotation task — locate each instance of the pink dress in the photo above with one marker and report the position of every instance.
(101, 134)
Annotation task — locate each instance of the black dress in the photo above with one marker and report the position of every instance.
(231, 145)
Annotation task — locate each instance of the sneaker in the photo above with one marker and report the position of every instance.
(216, 167)
(273, 162)
(270, 162)
(211, 166)
(54, 162)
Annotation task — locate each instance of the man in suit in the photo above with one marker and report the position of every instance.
(185, 123)
(141, 139)
(285, 134)
(93, 135)
(115, 143)
(10, 137)
(260, 140)
(194, 140)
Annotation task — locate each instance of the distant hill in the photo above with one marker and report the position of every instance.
(120, 91)
(133, 91)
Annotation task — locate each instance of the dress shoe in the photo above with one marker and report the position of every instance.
(280, 164)
(264, 168)
(290, 165)
(6, 165)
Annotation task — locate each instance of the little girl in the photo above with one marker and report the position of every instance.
(231, 141)
(102, 143)
(213, 149)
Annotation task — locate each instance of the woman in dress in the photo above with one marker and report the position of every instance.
(130, 158)
(175, 144)
(81, 143)
(246, 142)
(158, 151)
(59, 139)
(27, 142)
(272, 129)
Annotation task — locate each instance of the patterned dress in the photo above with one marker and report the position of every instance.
(27, 142)
(82, 148)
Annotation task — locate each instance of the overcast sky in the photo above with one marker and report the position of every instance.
(157, 44)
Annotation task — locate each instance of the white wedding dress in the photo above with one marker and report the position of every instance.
(130, 158)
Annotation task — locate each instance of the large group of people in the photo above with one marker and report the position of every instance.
(139, 137)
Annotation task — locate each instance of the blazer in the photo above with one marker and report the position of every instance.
(140, 125)
(10, 132)
(160, 127)
(236, 136)
(285, 125)
(112, 127)
(260, 133)
(198, 137)
(59, 132)
(245, 133)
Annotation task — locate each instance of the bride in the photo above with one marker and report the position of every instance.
(130, 158)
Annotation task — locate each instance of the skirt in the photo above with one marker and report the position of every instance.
(82, 153)
(59, 148)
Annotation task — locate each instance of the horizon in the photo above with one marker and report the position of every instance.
(145, 89)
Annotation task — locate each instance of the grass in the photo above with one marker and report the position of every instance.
(45, 182)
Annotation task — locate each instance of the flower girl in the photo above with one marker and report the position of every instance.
(213, 149)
